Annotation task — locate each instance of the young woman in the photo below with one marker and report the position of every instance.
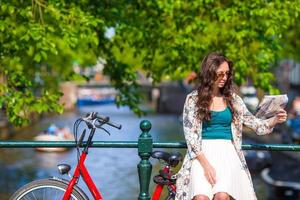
(213, 116)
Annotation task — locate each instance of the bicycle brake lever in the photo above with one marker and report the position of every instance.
(105, 130)
(89, 116)
(81, 138)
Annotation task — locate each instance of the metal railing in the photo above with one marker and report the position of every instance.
(144, 145)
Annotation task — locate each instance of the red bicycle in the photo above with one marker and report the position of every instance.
(166, 177)
(57, 188)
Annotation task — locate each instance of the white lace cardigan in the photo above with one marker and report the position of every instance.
(192, 132)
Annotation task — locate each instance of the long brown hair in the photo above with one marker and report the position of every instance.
(207, 77)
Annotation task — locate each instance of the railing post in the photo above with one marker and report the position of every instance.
(145, 144)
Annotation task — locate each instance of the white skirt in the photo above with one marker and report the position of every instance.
(230, 175)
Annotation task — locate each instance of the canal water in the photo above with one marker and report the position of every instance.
(114, 170)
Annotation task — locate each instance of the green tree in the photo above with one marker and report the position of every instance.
(164, 39)
(171, 37)
(291, 42)
(41, 40)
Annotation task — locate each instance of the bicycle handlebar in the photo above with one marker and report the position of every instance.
(102, 119)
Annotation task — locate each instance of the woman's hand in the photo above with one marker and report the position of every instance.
(209, 171)
(280, 117)
(210, 174)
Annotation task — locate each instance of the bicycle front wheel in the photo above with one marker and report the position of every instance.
(47, 189)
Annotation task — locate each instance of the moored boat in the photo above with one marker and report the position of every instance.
(280, 189)
(283, 177)
(54, 133)
(95, 101)
(96, 96)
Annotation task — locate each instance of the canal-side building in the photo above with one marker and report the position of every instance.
(287, 75)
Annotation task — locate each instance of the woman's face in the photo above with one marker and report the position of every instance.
(222, 75)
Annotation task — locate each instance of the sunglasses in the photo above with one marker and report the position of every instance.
(220, 75)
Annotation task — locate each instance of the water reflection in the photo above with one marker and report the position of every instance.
(113, 170)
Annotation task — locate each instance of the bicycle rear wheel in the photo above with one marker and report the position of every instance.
(47, 189)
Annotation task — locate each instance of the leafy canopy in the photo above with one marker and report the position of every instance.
(39, 40)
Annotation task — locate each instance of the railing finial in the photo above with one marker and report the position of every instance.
(145, 126)
(145, 145)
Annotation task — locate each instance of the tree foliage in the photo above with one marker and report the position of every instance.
(291, 42)
(39, 41)
(165, 39)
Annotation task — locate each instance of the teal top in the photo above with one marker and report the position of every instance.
(219, 127)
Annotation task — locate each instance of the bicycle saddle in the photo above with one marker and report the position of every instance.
(63, 168)
(172, 159)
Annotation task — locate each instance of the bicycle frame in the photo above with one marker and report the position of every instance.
(159, 188)
(82, 171)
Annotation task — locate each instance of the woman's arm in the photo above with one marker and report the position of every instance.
(209, 171)
(190, 127)
(193, 140)
(260, 126)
